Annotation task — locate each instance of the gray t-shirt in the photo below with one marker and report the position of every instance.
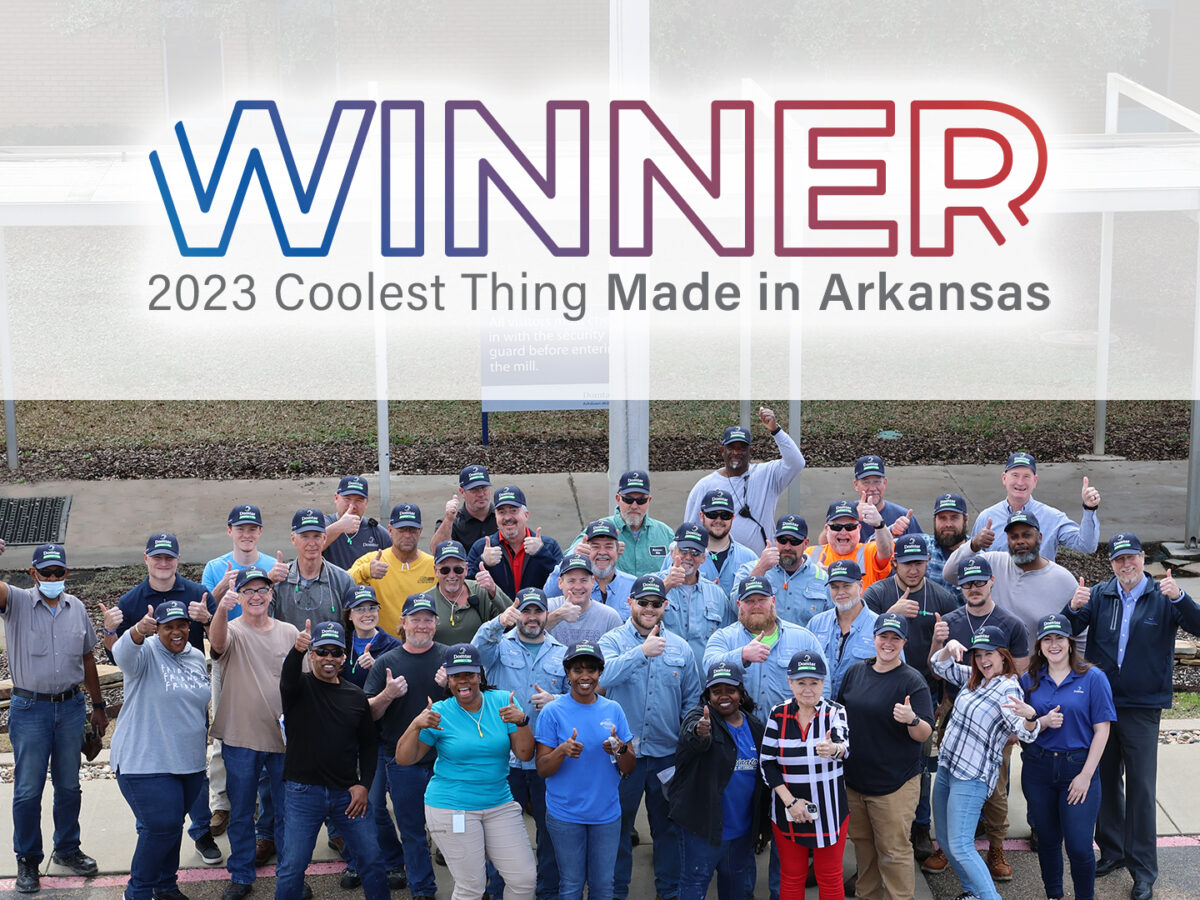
(595, 621)
(46, 647)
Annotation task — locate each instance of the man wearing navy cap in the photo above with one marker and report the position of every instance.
(755, 487)
(645, 538)
(399, 570)
(1132, 620)
(949, 531)
(462, 604)
(724, 557)
(350, 533)
(800, 586)
(1019, 480)
(576, 615)
(50, 642)
(515, 556)
(697, 608)
(611, 586)
(469, 513)
(845, 632)
(842, 540)
(870, 483)
(314, 588)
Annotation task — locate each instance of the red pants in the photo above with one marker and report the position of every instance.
(793, 866)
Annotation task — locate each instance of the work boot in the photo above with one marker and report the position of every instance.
(998, 865)
(922, 844)
(29, 881)
(936, 863)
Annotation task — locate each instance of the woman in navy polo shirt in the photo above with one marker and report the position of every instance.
(1058, 771)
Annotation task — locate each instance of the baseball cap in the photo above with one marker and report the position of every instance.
(791, 525)
(840, 509)
(1021, 459)
(415, 603)
(449, 550)
(1124, 544)
(248, 574)
(463, 658)
(473, 477)
(754, 586)
(689, 534)
(352, 485)
(245, 515)
(601, 528)
(575, 561)
(736, 434)
(865, 466)
(169, 611)
(358, 595)
(723, 673)
(1053, 624)
(807, 664)
(911, 548)
(950, 503)
(163, 544)
(1021, 517)
(844, 570)
(892, 622)
(634, 482)
(989, 637)
(648, 586)
(308, 520)
(716, 501)
(580, 649)
(405, 515)
(532, 596)
(509, 495)
(974, 568)
(329, 634)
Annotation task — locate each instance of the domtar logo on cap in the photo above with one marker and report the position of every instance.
(980, 637)
(51, 554)
(585, 647)
(309, 519)
(246, 513)
(162, 541)
(1052, 622)
(722, 671)
(973, 569)
(329, 632)
(460, 658)
(1120, 543)
(806, 665)
(505, 495)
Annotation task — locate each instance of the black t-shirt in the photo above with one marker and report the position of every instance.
(343, 552)
(467, 529)
(330, 734)
(882, 755)
(418, 670)
(931, 599)
(963, 624)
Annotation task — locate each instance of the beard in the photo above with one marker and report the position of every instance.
(1024, 558)
(757, 622)
(948, 540)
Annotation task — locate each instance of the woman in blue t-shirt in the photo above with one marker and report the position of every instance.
(1059, 771)
(468, 804)
(717, 753)
(582, 753)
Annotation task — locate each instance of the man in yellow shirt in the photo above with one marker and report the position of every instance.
(398, 571)
(843, 528)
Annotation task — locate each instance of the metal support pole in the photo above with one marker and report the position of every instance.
(383, 429)
(1103, 330)
(6, 369)
(1191, 537)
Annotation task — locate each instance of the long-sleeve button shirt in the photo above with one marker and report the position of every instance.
(654, 691)
(979, 726)
(1056, 527)
(645, 549)
(759, 489)
(695, 611)
(766, 682)
(511, 666)
(799, 595)
(737, 557)
(841, 654)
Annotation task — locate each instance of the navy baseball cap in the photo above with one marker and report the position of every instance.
(840, 509)
(892, 622)
(754, 586)
(689, 534)
(163, 544)
(716, 501)
(807, 664)
(245, 515)
(573, 562)
(449, 550)
(723, 673)
(911, 548)
(415, 603)
(601, 528)
(509, 495)
(866, 466)
(950, 503)
(791, 525)
(405, 515)
(248, 574)
(736, 434)
(974, 568)
(1123, 544)
(463, 658)
(532, 596)
(1021, 517)
(308, 520)
(352, 485)
(989, 637)
(648, 586)
(634, 482)
(844, 570)
(169, 611)
(473, 477)
(1053, 624)
(582, 649)
(329, 634)
(358, 595)
(1016, 460)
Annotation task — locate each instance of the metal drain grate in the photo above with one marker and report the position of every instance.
(34, 520)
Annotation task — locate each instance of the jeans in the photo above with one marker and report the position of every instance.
(306, 807)
(929, 764)
(45, 733)
(407, 784)
(1045, 778)
(199, 813)
(664, 834)
(390, 851)
(733, 861)
(264, 825)
(159, 803)
(956, 806)
(530, 792)
(242, 767)
(586, 854)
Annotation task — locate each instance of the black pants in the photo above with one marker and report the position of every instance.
(1127, 827)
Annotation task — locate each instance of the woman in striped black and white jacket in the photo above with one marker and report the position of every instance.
(803, 746)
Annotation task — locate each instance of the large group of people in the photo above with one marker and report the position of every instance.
(754, 684)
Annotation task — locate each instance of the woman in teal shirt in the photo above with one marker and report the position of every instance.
(468, 804)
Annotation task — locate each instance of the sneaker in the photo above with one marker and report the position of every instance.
(29, 881)
(78, 862)
(397, 879)
(936, 863)
(307, 893)
(966, 895)
(1032, 838)
(350, 879)
(998, 865)
(236, 891)
(210, 853)
(172, 894)
(219, 822)
(263, 851)
(338, 845)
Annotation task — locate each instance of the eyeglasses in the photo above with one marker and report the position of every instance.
(657, 604)
(335, 652)
(834, 526)
(789, 541)
(457, 570)
(689, 551)
(53, 574)
(366, 607)
(252, 591)
(723, 516)
(636, 501)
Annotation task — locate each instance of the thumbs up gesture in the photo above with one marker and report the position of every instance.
(941, 630)
(1081, 596)
(654, 644)
(198, 611)
(571, 746)
(428, 717)
(1091, 496)
(348, 523)
(704, 725)
(540, 697)
(905, 606)
(868, 512)
(112, 617)
(395, 687)
(533, 543)
(768, 560)
(225, 585)
(490, 555)
(1168, 586)
(675, 577)
(304, 638)
(512, 713)
(378, 567)
(984, 539)
(903, 712)
(279, 571)
(1054, 718)
(755, 651)
(612, 743)
(452, 507)
(484, 579)
(510, 616)
(901, 524)
(147, 626)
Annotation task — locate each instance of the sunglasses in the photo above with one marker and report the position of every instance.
(834, 526)
(789, 541)
(657, 604)
(722, 516)
(53, 574)
(335, 652)
(690, 551)
(457, 570)
(636, 501)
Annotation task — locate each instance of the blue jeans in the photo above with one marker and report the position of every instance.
(664, 834)
(1045, 778)
(264, 825)
(45, 733)
(956, 806)
(242, 767)
(307, 806)
(733, 861)
(200, 814)
(390, 851)
(407, 784)
(586, 854)
(159, 803)
(530, 791)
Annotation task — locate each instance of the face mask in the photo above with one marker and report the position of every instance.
(52, 589)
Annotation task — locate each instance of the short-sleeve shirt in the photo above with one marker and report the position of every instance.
(884, 757)
(45, 646)
(471, 771)
(250, 707)
(963, 623)
(736, 801)
(583, 790)
(1084, 700)
(595, 621)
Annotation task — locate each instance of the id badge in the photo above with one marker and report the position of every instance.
(459, 823)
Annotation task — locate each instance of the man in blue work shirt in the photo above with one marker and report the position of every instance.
(799, 583)
(725, 556)
(653, 675)
(521, 657)
(698, 607)
(846, 632)
(601, 545)
(645, 539)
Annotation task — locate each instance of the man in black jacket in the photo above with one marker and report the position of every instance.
(1132, 621)
(515, 556)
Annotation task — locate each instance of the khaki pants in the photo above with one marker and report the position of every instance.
(497, 834)
(995, 808)
(879, 828)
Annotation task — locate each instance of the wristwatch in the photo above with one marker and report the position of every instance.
(99, 704)
(1032, 718)
(915, 722)
(622, 750)
(524, 722)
